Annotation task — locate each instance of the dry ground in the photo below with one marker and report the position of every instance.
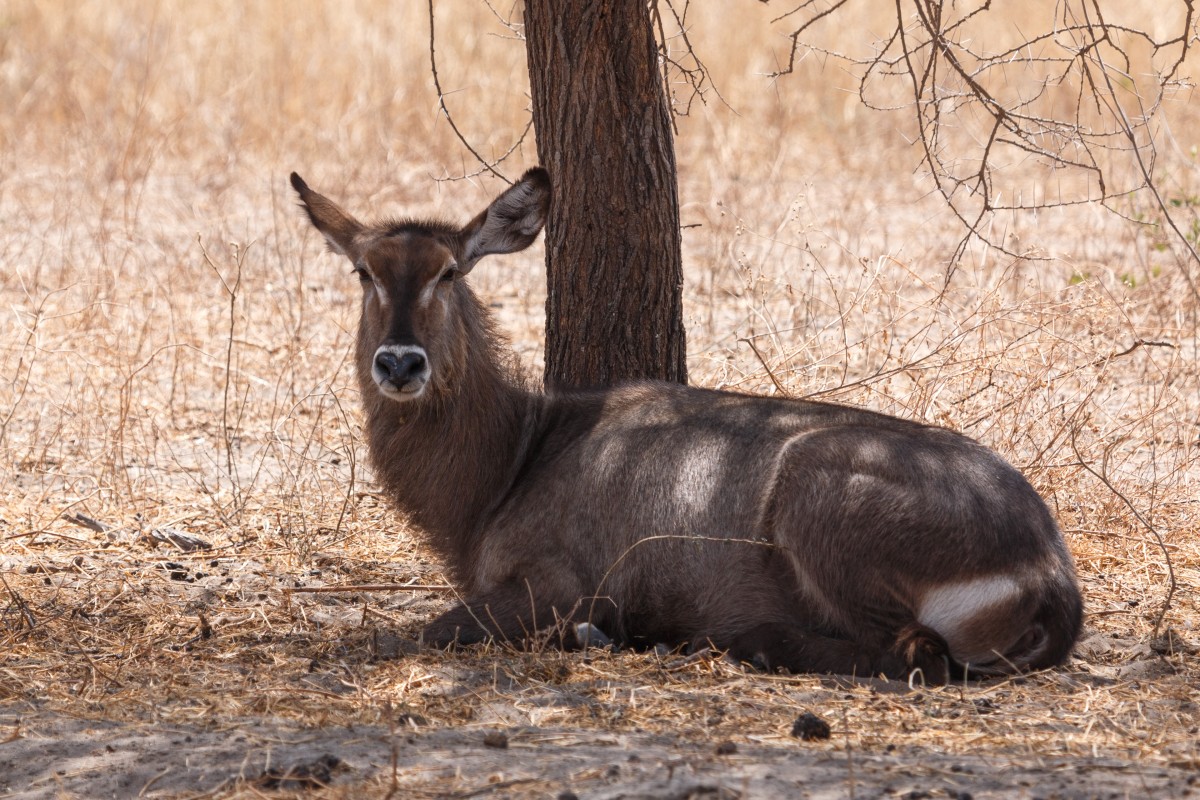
(174, 363)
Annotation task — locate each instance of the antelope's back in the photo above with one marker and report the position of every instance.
(659, 460)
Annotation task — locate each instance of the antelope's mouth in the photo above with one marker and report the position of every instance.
(410, 390)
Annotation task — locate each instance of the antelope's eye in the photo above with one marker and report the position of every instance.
(449, 275)
(362, 274)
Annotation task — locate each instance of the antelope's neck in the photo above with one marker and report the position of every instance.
(447, 462)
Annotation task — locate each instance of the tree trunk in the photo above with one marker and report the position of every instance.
(614, 311)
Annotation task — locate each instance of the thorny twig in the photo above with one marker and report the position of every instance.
(20, 604)
(488, 167)
(437, 85)
(694, 75)
(369, 587)
(770, 372)
(1171, 583)
(953, 83)
(228, 431)
(680, 62)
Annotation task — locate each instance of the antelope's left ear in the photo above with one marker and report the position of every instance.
(510, 223)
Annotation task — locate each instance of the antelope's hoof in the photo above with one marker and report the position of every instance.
(588, 635)
(924, 648)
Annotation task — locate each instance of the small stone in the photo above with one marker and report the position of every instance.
(809, 727)
(310, 775)
(726, 748)
(984, 705)
(496, 739)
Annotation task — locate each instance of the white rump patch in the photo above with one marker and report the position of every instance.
(954, 608)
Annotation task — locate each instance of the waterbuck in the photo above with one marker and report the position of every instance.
(798, 535)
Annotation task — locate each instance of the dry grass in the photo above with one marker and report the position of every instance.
(175, 357)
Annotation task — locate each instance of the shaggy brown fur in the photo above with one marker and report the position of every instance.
(797, 535)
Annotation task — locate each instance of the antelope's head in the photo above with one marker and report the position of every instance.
(415, 305)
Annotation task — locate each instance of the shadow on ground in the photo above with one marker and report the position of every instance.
(46, 755)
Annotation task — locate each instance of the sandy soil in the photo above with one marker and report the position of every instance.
(48, 755)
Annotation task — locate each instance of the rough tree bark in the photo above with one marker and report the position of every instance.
(614, 310)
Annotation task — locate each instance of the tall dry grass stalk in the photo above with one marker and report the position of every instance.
(176, 348)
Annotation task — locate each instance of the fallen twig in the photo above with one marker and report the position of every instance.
(370, 587)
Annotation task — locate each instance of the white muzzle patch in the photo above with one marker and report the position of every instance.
(401, 371)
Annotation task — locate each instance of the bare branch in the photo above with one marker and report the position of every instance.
(1080, 95)
(488, 167)
(679, 62)
(1172, 584)
(796, 34)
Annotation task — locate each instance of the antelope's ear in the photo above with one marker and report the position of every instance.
(338, 227)
(510, 223)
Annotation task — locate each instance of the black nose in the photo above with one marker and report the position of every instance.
(399, 370)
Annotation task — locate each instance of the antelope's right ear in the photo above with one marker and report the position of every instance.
(338, 227)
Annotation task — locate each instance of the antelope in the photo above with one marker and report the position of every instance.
(795, 535)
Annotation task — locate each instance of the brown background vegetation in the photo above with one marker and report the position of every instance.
(174, 359)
